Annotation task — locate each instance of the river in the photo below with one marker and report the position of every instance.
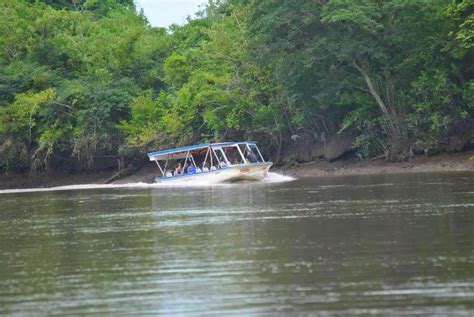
(360, 245)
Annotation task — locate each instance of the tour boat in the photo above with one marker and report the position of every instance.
(211, 163)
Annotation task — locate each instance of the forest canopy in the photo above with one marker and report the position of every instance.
(85, 79)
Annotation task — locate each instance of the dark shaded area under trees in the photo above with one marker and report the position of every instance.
(86, 83)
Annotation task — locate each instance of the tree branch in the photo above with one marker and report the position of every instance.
(376, 96)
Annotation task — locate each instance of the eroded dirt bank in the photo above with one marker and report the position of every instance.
(447, 162)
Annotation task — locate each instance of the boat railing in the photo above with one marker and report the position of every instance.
(171, 174)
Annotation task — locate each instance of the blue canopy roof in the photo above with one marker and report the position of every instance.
(175, 153)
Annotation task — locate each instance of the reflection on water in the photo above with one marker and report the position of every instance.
(385, 245)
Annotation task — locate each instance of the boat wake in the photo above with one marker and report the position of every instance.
(271, 178)
(277, 178)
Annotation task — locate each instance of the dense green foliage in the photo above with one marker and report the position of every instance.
(84, 79)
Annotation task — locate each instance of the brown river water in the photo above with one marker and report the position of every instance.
(386, 245)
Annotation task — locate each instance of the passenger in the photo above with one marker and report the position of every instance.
(205, 167)
(235, 162)
(251, 157)
(213, 168)
(191, 169)
(178, 169)
(223, 164)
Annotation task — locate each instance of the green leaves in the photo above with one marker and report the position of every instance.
(18, 122)
(19, 115)
(176, 69)
(367, 15)
(462, 14)
(91, 78)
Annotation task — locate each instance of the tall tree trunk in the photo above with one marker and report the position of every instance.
(398, 146)
(377, 98)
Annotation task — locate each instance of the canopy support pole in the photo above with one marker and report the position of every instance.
(248, 147)
(261, 156)
(217, 158)
(224, 156)
(192, 159)
(205, 158)
(241, 154)
(186, 159)
(159, 166)
(210, 156)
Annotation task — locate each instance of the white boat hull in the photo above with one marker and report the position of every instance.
(241, 172)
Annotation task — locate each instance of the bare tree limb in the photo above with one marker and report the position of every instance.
(376, 96)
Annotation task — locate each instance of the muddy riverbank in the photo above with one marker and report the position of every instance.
(447, 162)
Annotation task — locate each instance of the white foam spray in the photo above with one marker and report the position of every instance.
(271, 178)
